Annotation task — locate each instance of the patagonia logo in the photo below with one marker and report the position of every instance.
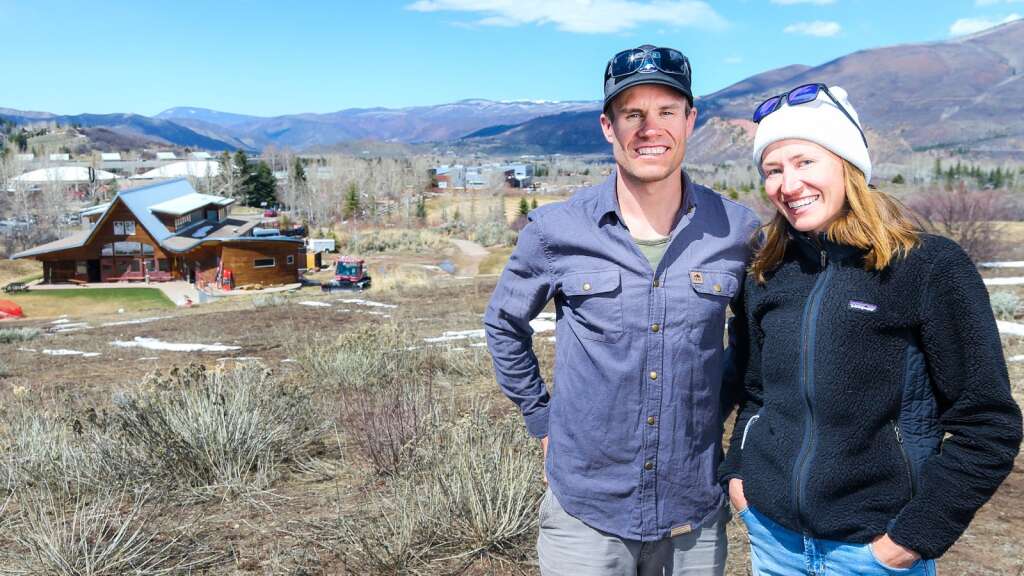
(863, 306)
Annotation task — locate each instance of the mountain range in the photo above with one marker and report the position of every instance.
(964, 94)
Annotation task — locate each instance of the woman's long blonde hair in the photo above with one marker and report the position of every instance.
(871, 220)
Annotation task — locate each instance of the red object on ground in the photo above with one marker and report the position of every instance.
(9, 309)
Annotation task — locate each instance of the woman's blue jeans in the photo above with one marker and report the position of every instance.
(778, 551)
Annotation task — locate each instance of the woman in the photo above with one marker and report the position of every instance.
(877, 416)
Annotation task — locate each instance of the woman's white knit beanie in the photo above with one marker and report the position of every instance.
(819, 121)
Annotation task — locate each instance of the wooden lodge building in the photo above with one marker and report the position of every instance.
(168, 231)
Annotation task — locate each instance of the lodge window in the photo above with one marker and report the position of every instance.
(81, 268)
(264, 263)
(291, 259)
(181, 221)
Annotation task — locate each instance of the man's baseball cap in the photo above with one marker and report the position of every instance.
(647, 65)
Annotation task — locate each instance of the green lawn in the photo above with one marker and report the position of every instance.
(88, 301)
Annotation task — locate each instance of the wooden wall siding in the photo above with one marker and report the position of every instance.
(239, 259)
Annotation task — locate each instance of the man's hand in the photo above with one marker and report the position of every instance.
(736, 497)
(892, 554)
(544, 467)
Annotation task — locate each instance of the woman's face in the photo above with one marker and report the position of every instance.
(805, 182)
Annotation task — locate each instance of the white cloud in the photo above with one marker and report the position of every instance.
(582, 16)
(971, 25)
(816, 28)
(792, 2)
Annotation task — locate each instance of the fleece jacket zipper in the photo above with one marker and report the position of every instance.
(808, 334)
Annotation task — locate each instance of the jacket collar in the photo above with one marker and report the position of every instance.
(608, 202)
(811, 245)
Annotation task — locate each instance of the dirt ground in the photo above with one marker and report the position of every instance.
(262, 534)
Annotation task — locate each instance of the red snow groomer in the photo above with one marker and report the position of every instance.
(349, 274)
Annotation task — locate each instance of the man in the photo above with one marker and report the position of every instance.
(641, 268)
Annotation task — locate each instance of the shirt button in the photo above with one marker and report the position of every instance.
(648, 465)
(717, 288)
(655, 327)
(654, 375)
(586, 285)
(651, 420)
(656, 283)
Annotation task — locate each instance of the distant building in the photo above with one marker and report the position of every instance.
(166, 156)
(200, 156)
(25, 157)
(64, 175)
(168, 231)
(519, 175)
(110, 156)
(448, 177)
(61, 157)
(183, 168)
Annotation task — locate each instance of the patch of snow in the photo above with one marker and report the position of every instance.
(362, 302)
(478, 345)
(149, 358)
(1010, 328)
(315, 304)
(27, 350)
(1007, 264)
(139, 321)
(448, 336)
(240, 358)
(288, 360)
(544, 322)
(1017, 358)
(154, 344)
(72, 327)
(202, 232)
(61, 320)
(381, 314)
(63, 352)
(1008, 281)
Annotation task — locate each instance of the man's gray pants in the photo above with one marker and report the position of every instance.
(568, 547)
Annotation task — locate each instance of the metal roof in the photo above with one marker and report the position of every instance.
(189, 203)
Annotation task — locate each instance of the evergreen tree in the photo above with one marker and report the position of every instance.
(937, 170)
(421, 209)
(351, 207)
(533, 204)
(524, 206)
(261, 186)
(298, 171)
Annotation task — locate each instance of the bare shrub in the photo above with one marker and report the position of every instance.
(391, 240)
(1004, 304)
(5, 370)
(476, 494)
(41, 450)
(233, 429)
(268, 300)
(968, 217)
(486, 475)
(393, 534)
(107, 535)
(9, 335)
(383, 379)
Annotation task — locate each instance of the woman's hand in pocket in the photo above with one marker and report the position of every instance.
(736, 497)
(892, 554)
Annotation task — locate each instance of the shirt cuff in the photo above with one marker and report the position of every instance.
(537, 422)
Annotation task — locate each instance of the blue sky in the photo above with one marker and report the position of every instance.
(270, 57)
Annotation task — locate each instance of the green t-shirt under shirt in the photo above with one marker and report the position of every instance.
(652, 249)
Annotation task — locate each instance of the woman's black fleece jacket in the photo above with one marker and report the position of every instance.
(875, 402)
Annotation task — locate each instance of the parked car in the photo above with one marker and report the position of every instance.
(270, 213)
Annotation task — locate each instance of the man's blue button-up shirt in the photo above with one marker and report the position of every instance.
(635, 426)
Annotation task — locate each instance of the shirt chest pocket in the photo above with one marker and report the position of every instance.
(711, 291)
(593, 304)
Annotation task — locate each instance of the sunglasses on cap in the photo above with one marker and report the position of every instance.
(802, 95)
(648, 59)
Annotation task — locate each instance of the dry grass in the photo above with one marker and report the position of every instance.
(19, 270)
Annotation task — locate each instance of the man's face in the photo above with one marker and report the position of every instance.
(648, 135)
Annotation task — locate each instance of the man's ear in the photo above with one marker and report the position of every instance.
(606, 127)
(691, 121)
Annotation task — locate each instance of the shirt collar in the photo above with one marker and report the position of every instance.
(608, 202)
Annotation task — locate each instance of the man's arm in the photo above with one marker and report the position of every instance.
(525, 287)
